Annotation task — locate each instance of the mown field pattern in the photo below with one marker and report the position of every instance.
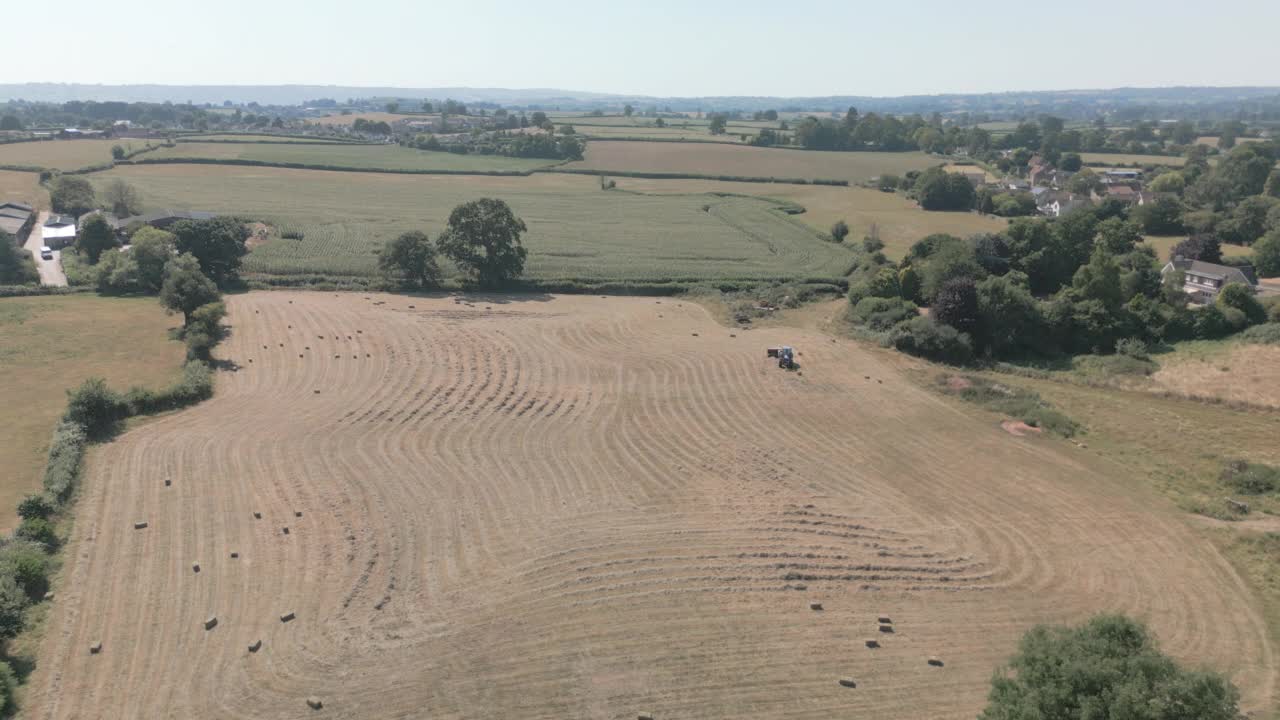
(576, 230)
(711, 159)
(378, 157)
(572, 507)
(63, 154)
(51, 344)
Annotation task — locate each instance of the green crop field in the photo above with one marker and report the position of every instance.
(576, 230)
(713, 159)
(63, 154)
(382, 157)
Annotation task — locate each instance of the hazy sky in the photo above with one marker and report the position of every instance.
(655, 47)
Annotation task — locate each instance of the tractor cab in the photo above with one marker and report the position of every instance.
(785, 355)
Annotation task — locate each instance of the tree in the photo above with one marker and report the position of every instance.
(1203, 246)
(10, 122)
(718, 123)
(117, 152)
(1071, 162)
(1117, 236)
(1099, 280)
(393, 107)
(204, 330)
(17, 267)
(1266, 254)
(410, 258)
(72, 195)
(937, 189)
(538, 119)
(217, 244)
(840, 230)
(36, 506)
(151, 249)
(95, 407)
(117, 274)
(483, 240)
(1084, 182)
(96, 237)
(122, 198)
(1109, 668)
(956, 304)
(185, 287)
(1240, 296)
(628, 110)
(1009, 320)
(38, 530)
(13, 600)
(1170, 182)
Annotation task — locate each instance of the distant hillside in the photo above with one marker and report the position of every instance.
(1261, 103)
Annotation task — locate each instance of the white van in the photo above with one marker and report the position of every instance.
(46, 253)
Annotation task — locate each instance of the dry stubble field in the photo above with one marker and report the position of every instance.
(576, 507)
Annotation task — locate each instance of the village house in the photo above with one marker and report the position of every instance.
(1204, 280)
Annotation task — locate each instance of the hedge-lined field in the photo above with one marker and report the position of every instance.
(715, 159)
(261, 138)
(53, 343)
(355, 157)
(576, 230)
(64, 154)
(23, 187)
(1108, 159)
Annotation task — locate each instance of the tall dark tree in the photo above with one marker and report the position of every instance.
(186, 287)
(96, 236)
(483, 240)
(72, 195)
(218, 244)
(410, 258)
(17, 267)
(1204, 247)
(957, 304)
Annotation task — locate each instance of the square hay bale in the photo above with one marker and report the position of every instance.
(873, 644)
(284, 530)
(644, 716)
(95, 648)
(287, 617)
(314, 703)
(297, 513)
(210, 622)
(235, 555)
(886, 628)
(256, 646)
(815, 606)
(848, 682)
(195, 567)
(257, 516)
(168, 482)
(884, 619)
(139, 525)
(935, 661)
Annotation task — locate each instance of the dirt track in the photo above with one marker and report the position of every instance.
(576, 508)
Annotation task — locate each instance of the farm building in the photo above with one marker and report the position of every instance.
(59, 231)
(162, 219)
(1204, 280)
(16, 219)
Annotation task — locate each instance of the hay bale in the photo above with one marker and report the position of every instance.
(815, 606)
(167, 482)
(314, 703)
(935, 661)
(886, 628)
(297, 513)
(257, 516)
(287, 617)
(848, 682)
(644, 716)
(139, 525)
(235, 555)
(316, 392)
(884, 619)
(284, 530)
(210, 622)
(195, 567)
(256, 646)
(873, 644)
(95, 648)
(411, 307)
(694, 334)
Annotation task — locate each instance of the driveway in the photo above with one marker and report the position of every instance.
(50, 270)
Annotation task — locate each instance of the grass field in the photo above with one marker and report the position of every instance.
(49, 344)
(1126, 159)
(246, 138)
(578, 507)
(613, 132)
(576, 230)
(63, 154)
(1163, 244)
(388, 157)
(350, 119)
(23, 187)
(899, 221)
(706, 159)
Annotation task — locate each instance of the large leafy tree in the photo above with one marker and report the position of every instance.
(1109, 669)
(152, 250)
(72, 195)
(17, 267)
(483, 240)
(410, 258)
(217, 244)
(185, 287)
(96, 237)
(122, 198)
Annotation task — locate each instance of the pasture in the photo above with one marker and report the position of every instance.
(63, 154)
(338, 119)
(50, 344)
(22, 187)
(571, 507)
(1163, 245)
(898, 220)
(576, 230)
(353, 156)
(710, 159)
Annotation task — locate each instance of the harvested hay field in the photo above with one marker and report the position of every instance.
(22, 187)
(350, 156)
(1110, 159)
(745, 161)
(63, 154)
(1233, 372)
(570, 507)
(350, 119)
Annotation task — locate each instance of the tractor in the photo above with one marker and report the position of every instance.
(786, 356)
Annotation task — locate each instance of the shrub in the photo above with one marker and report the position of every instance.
(13, 600)
(1250, 478)
(1133, 347)
(1266, 334)
(925, 338)
(880, 313)
(38, 530)
(95, 407)
(8, 682)
(36, 506)
(1240, 297)
(205, 330)
(65, 454)
(29, 564)
(196, 385)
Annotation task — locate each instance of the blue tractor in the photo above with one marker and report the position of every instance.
(786, 356)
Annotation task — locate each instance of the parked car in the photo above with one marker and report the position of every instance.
(46, 253)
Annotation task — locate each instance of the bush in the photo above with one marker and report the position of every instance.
(36, 506)
(1266, 334)
(205, 330)
(1134, 348)
(38, 530)
(95, 407)
(883, 313)
(13, 600)
(29, 564)
(925, 338)
(1240, 297)
(196, 385)
(66, 451)
(839, 231)
(8, 682)
(1250, 478)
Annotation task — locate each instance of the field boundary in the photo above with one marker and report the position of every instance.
(696, 176)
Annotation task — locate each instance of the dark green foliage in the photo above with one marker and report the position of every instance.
(1162, 217)
(1211, 323)
(1265, 334)
(1247, 221)
(839, 231)
(951, 261)
(95, 407)
(217, 244)
(38, 530)
(1240, 297)
(29, 564)
(151, 251)
(880, 313)
(1109, 669)
(36, 506)
(411, 258)
(546, 146)
(1013, 204)
(66, 452)
(1266, 254)
(204, 330)
(956, 304)
(117, 152)
(937, 189)
(17, 267)
(72, 195)
(923, 337)
(196, 385)
(117, 274)
(1009, 319)
(96, 237)
(13, 600)
(1117, 236)
(483, 240)
(1251, 478)
(185, 287)
(10, 122)
(8, 683)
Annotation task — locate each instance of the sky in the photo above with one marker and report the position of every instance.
(655, 47)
